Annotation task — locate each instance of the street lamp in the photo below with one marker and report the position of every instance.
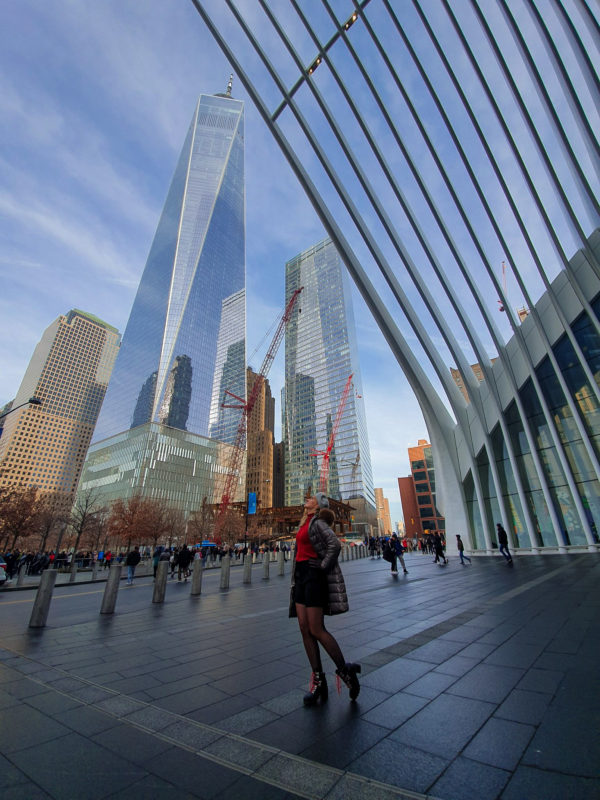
(33, 401)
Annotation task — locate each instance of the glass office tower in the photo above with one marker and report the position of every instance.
(184, 344)
(320, 355)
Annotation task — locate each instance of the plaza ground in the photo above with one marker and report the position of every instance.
(478, 682)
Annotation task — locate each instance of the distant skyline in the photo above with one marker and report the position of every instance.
(95, 102)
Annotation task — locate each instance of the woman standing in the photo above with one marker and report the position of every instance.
(318, 588)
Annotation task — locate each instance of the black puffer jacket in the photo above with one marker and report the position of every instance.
(327, 547)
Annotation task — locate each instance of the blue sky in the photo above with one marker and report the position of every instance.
(95, 100)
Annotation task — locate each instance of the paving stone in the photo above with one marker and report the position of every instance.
(191, 734)
(223, 709)
(98, 773)
(150, 717)
(152, 788)
(119, 705)
(7, 700)
(10, 775)
(539, 783)
(527, 707)
(352, 787)
(395, 676)
(22, 688)
(137, 745)
(86, 720)
(298, 775)
(25, 791)
(252, 789)
(346, 744)
(23, 726)
(191, 700)
(500, 743)
(395, 710)
(248, 720)
(541, 680)
(487, 682)
(430, 685)
(191, 773)
(52, 702)
(445, 725)
(400, 765)
(457, 665)
(465, 780)
(241, 753)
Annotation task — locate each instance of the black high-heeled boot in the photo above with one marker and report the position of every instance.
(348, 674)
(318, 689)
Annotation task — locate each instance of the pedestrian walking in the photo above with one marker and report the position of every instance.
(318, 588)
(438, 548)
(397, 552)
(183, 563)
(461, 550)
(131, 562)
(156, 558)
(503, 543)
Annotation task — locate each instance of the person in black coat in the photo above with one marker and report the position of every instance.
(131, 562)
(503, 543)
(318, 588)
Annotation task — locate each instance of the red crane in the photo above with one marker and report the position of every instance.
(246, 406)
(327, 453)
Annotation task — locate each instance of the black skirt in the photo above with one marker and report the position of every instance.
(310, 586)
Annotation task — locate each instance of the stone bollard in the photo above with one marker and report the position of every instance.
(247, 570)
(281, 560)
(266, 567)
(73, 575)
(111, 590)
(41, 606)
(225, 570)
(353, 553)
(160, 582)
(95, 571)
(197, 571)
(21, 575)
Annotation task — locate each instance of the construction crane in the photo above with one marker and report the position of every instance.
(327, 453)
(246, 406)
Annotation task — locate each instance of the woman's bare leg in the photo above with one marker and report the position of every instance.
(318, 632)
(311, 645)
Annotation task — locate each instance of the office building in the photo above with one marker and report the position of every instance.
(423, 481)
(320, 355)
(184, 346)
(44, 445)
(384, 519)
(259, 443)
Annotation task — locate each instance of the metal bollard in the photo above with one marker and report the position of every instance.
(281, 560)
(197, 577)
(21, 575)
(41, 606)
(225, 570)
(266, 567)
(111, 590)
(160, 582)
(247, 569)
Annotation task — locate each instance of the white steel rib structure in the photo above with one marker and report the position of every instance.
(444, 144)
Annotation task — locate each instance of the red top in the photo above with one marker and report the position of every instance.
(304, 548)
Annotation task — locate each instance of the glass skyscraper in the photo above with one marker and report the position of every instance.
(184, 344)
(320, 354)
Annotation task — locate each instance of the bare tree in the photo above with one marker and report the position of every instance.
(174, 524)
(128, 519)
(19, 510)
(82, 517)
(202, 522)
(53, 512)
